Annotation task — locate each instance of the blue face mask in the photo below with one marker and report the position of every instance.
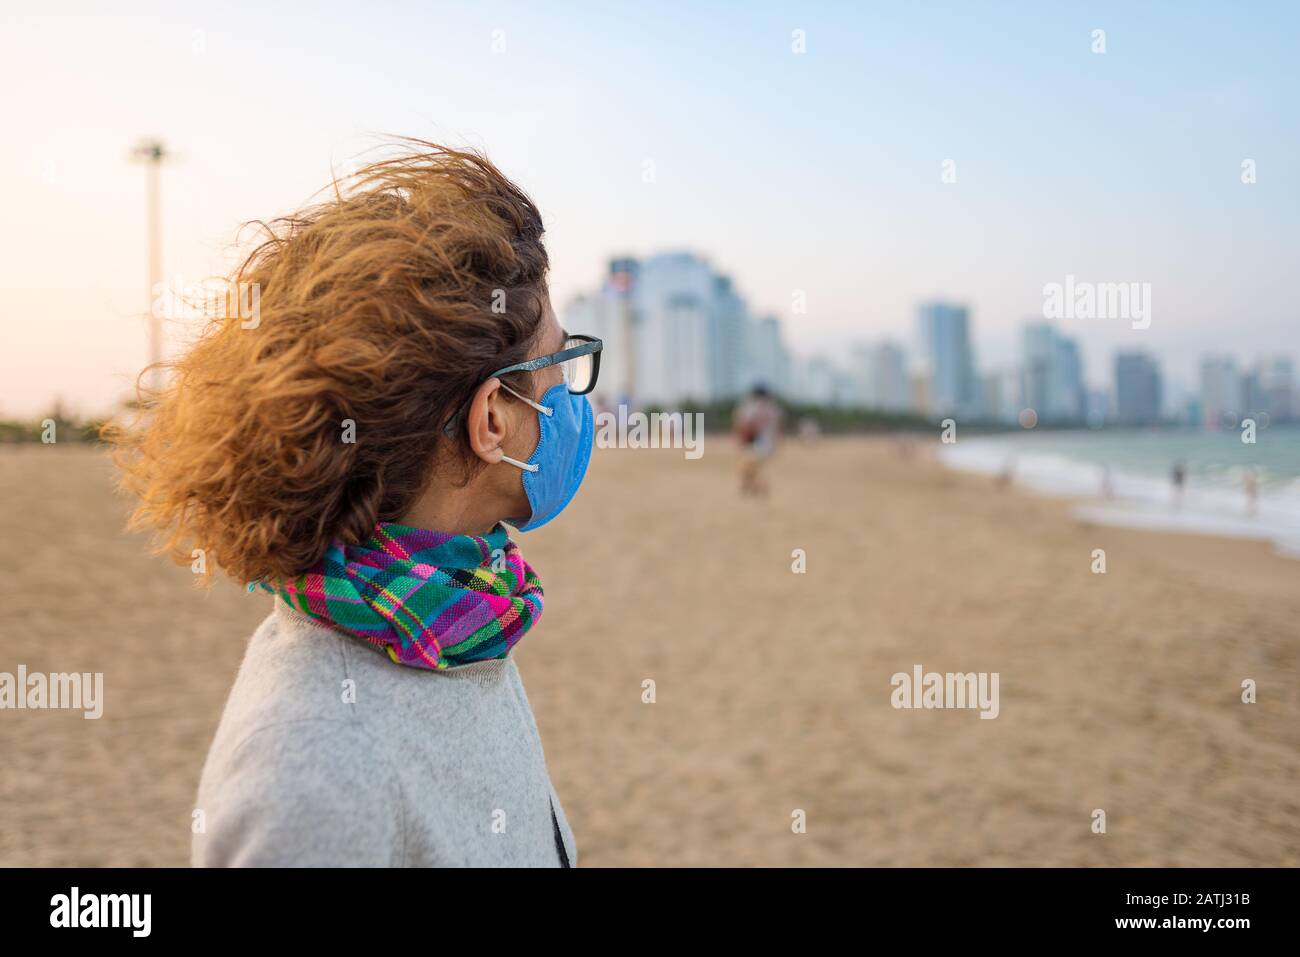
(554, 471)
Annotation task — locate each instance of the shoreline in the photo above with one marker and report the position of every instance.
(1137, 500)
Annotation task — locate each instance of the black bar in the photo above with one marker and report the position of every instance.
(331, 906)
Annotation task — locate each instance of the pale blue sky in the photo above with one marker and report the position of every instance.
(817, 172)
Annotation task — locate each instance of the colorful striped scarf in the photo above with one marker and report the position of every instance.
(429, 599)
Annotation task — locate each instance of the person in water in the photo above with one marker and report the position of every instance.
(1250, 484)
(405, 390)
(1177, 481)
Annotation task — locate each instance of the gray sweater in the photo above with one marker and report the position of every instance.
(329, 754)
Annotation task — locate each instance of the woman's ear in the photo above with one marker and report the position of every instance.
(486, 423)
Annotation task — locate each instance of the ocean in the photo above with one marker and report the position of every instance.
(1137, 466)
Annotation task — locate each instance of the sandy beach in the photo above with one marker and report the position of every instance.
(1119, 691)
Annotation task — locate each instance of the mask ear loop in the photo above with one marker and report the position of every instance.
(518, 464)
(523, 398)
(540, 408)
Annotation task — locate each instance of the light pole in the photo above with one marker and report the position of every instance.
(152, 153)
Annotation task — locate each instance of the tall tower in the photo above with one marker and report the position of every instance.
(153, 154)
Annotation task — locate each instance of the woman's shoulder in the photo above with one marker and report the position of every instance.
(298, 792)
(292, 684)
(291, 750)
(299, 678)
(293, 669)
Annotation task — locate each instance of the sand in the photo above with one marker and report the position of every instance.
(1119, 691)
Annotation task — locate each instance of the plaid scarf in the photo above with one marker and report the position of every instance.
(429, 599)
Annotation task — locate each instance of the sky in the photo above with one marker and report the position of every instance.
(817, 173)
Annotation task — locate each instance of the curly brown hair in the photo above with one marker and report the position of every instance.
(382, 305)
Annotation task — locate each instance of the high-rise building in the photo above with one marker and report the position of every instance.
(608, 315)
(1052, 374)
(946, 359)
(676, 331)
(616, 294)
(673, 300)
(815, 380)
(1001, 395)
(1277, 388)
(1098, 407)
(1222, 398)
(920, 391)
(1137, 389)
(767, 361)
(1038, 352)
(1072, 393)
(880, 377)
(728, 331)
(1253, 401)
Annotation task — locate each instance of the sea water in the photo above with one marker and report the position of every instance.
(1138, 464)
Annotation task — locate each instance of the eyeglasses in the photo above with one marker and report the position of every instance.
(579, 361)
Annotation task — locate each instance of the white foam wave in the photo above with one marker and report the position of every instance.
(1213, 505)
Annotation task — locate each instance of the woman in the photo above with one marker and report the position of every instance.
(405, 389)
(757, 421)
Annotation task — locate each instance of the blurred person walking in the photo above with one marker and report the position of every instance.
(756, 425)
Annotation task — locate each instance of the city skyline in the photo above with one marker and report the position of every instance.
(679, 331)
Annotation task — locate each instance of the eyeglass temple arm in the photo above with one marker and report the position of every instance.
(590, 347)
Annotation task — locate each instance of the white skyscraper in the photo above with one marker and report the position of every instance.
(1001, 395)
(882, 379)
(672, 298)
(767, 362)
(816, 381)
(607, 314)
(1221, 392)
(946, 360)
(729, 324)
(677, 331)
(1051, 374)
(1277, 387)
